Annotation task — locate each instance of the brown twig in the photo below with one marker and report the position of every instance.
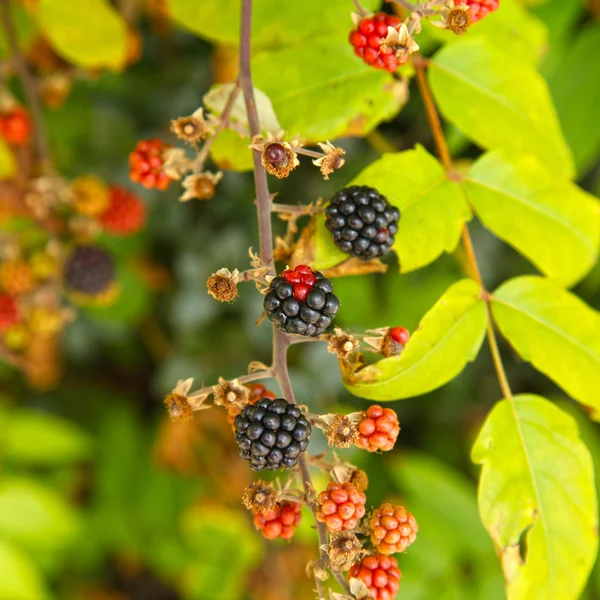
(30, 88)
(445, 157)
(296, 209)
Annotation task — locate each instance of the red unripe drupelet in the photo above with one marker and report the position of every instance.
(378, 430)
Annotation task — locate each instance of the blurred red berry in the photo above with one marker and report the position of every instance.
(9, 313)
(146, 164)
(125, 214)
(15, 126)
(478, 9)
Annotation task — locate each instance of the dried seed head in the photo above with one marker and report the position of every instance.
(176, 163)
(331, 161)
(90, 196)
(360, 480)
(278, 158)
(178, 407)
(200, 185)
(456, 17)
(228, 392)
(222, 285)
(259, 497)
(400, 42)
(193, 128)
(344, 550)
(342, 432)
(341, 344)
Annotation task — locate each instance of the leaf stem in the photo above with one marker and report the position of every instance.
(30, 88)
(444, 154)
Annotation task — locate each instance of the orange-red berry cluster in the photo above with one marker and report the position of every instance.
(280, 522)
(125, 213)
(15, 126)
(380, 574)
(378, 430)
(341, 506)
(9, 312)
(368, 37)
(146, 164)
(393, 529)
(481, 8)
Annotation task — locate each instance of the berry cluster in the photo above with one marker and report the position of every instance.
(272, 434)
(378, 430)
(380, 574)
(15, 126)
(301, 301)
(393, 529)
(89, 270)
(16, 277)
(9, 312)
(368, 37)
(341, 506)
(125, 213)
(478, 9)
(280, 522)
(146, 164)
(362, 222)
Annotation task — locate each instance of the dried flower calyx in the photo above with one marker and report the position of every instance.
(200, 186)
(181, 404)
(229, 392)
(331, 160)
(193, 128)
(259, 497)
(341, 344)
(277, 156)
(455, 17)
(400, 42)
(344, 550)
(222, 285)
(343, 432)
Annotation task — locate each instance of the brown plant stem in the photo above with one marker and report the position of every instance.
(298, 209)
(444, 154)
(256, 376)
(30, 88)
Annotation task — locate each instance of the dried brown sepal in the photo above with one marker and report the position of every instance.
(341, 344)
(316, 569)
(356, 266)
(259, 497)
(222, 285)
(229, 392)
(375, 340)
(344, 550)
(277, 156)
(400, 42)
(331, 161)
(390, 346)
(178, 408)
(358, 588)
(360, 479)
(176, 163)
(455, 17)
(200, 186)
(343, 432)
(192, 129)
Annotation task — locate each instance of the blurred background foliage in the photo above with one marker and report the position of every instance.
(101, 498)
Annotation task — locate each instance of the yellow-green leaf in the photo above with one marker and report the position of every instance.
(322, 90)
(448, 337)
(498, 102)
(90, 34)
(551, 221)
(537, 481)
(7, 161)
(555, 331)
(19, 579)
(433, 209)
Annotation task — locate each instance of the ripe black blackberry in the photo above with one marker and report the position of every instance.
(89, 270)
(301, 301)
(271, 434)
(363, 223)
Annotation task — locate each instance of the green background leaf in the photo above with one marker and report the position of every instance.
(19, 579)
(551, 221)
(537, 480)
(448, 337)
(498, 102)
(553, 330)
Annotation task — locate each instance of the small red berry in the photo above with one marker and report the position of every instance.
(380, 574)
(125, 214)
(341, 506)
(378, 430)
(393, 529)
(478, 9)
(15, 126)
(9, 313)
(400, 335)
(280, 522)
(146, 164)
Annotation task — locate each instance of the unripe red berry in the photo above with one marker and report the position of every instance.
(393, 529)
(341, 506)
(478, 9)
(146, 164)
(280, 522)
(400, 334)
(378, 430)
(367, 39)
(380, 574)
(125, 214)
(9, 313)
(15, 126)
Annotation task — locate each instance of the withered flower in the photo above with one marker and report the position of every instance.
(200, 186)
(176, 163)
(331, 161)
(228, 392)
(259, 496)
(400, 42)
(222, 285)
(343, 432)
(177, 401)
(455, 17)
(360, 480)
(193, 128)
(341, 344)
(277, 156)
(344, 550)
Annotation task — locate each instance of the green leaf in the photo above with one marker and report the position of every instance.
(553, 330)
(19, 579)
(274, 23)
(448, 337)
(230, 152)
(511, 28)
(35, 517)
(90, 34)
(322, 90)
(25, 29)
(433, 209)
(549, 220)
(42, 440)
(537, 481)
(498, 102)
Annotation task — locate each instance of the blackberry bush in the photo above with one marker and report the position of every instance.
(362, 222)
